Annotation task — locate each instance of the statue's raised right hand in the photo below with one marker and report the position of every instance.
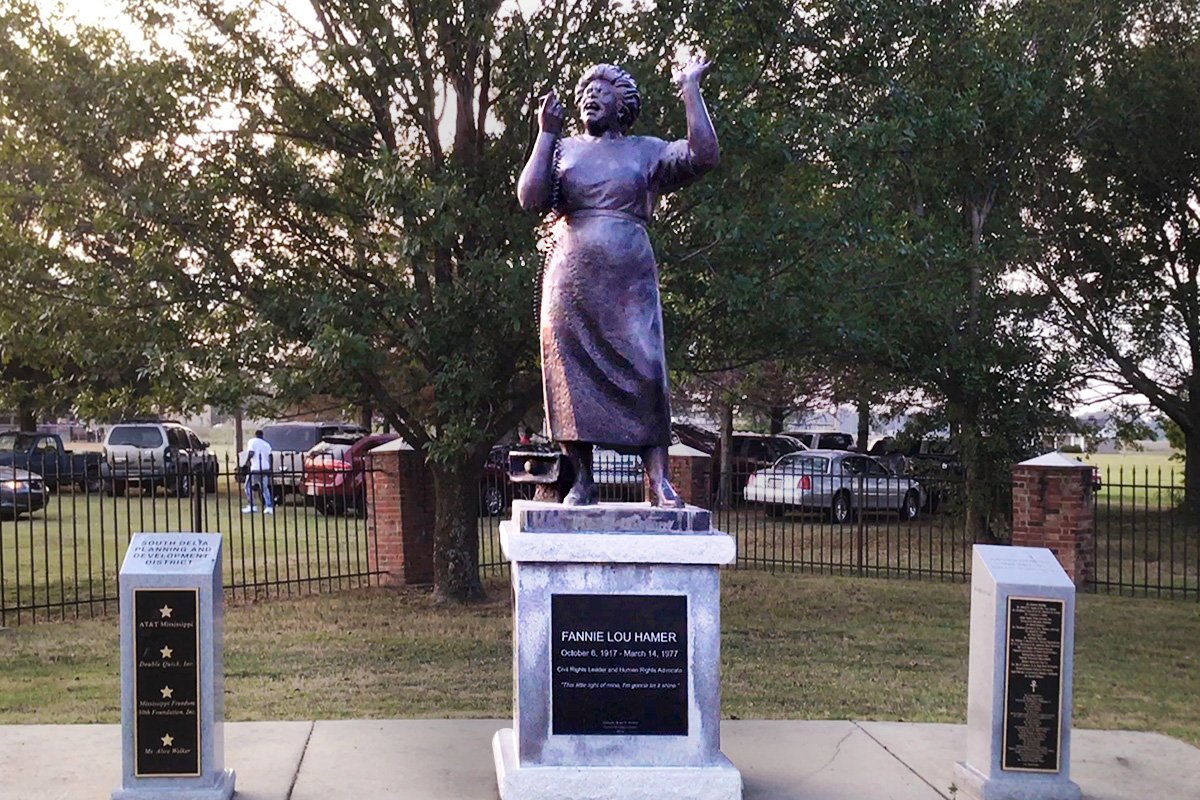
(550, 118)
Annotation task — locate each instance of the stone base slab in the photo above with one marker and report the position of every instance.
(162, 790)
(720, 781)
(974, 785)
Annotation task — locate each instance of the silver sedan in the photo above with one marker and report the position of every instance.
(834, 481)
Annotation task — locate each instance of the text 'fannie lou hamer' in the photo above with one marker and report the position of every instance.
(650, 637)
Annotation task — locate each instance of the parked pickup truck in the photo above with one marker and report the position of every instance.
(44, 454)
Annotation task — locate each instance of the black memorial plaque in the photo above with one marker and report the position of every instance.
(619, 664)
(166, 683)
(1033, 685)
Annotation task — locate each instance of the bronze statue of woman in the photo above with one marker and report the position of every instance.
(604, 370)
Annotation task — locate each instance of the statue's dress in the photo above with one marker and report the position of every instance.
(604, 372)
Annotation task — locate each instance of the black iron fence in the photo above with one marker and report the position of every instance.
(818, 516)
(62, 538)
(1147, 541)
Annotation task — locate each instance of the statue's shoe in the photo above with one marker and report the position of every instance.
(664, 495)
(581, 495)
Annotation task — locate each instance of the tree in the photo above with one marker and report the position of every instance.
(941, 121)
(78, 330)
(1124, 218)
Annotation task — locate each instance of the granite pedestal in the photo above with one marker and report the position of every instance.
(616, 655)
(1019, 686)
(172, 673)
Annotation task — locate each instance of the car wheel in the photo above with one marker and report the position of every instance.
(210, 482)
(90, 485)
(116, 488)
(182, 486)
(775, 510)
(493, 501)
(911, 506)
(840, 510)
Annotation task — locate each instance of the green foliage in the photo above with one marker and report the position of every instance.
(1120, 215)
(1174, 438)
(938, 122)
(95, 313)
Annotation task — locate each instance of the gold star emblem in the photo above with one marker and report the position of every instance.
(168, 740)
(166, 652)
(167, 691)
(166, 611)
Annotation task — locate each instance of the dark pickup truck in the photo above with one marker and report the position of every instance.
(44, 454)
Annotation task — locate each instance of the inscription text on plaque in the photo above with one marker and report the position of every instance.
(1033, 685)
(166, 683)
(619, 664)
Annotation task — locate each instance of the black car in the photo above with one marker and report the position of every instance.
(21, 492)
(823, 440)
(751, 452)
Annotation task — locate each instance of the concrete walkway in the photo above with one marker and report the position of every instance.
(452, 760)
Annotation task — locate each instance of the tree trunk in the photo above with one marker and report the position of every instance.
(1191, 470)
(365, 415)
(27, 417)
(864, 423)
(778, 415)
(725, 447)
(239, 433)
(964, 421)
(456, 532)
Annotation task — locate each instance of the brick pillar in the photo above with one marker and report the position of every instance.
(690, 472)
(400, 515)
(1052, 507)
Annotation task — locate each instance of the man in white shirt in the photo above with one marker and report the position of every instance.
(257, 462)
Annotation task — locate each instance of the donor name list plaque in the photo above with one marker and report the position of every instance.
(166, 683)
(1033, 683)
(172, 673)
(616, 655)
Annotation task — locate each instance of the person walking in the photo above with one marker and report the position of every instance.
(258, 473)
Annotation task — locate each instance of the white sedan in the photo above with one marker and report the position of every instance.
(834, 481)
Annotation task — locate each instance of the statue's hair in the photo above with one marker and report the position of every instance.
(628, 97)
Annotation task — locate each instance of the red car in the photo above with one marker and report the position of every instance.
(335, 474)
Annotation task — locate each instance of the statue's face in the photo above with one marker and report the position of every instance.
(599, 106)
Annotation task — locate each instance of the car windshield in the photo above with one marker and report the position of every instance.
(801, 463)
(135, 436)
(16, 441)
(293, 438)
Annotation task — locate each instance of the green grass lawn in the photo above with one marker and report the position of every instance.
(1133, 461)
(793, 647)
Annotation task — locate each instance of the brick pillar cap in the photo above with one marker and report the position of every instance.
(686, 452)
(395, 445)
(1053, 459)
